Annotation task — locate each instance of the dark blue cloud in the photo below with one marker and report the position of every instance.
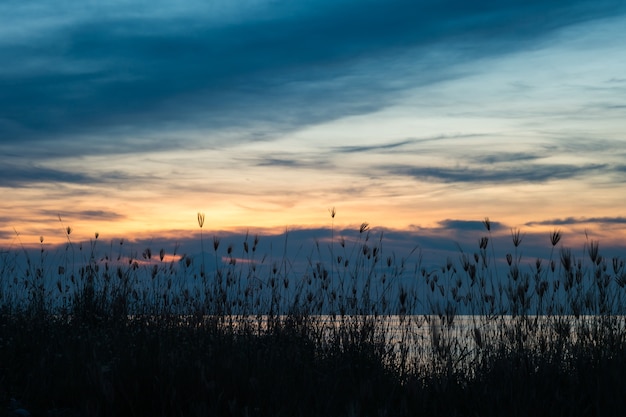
(404, 145)
(12, 175)
(5, 235)
(291, 161)
(500, 175)
(469, 225)
(24, 175)
(115, 73)
(495, 158)
(380, 147)
(578, 220)
(103, 215)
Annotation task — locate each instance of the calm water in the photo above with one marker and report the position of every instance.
(421, 338)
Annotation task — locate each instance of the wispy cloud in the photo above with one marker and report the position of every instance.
(290, 161)
(498, 175)
(26, 175)
(413, 144)
(102, 215)
(578, 220)
(495, 158)
(468, 225)
(107, 69)
(5, 235)
(377, 147)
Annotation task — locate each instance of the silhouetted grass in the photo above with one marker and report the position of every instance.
(90, 332)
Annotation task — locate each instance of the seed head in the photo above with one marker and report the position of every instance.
(487, 224)
(593, 250)
(617, 264)
(566, 259)
(555, 237)
(403, 294)
(515, 235)
(200, 219)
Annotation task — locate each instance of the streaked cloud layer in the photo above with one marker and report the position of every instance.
(131, 116)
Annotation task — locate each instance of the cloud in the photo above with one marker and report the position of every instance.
(283, 162)
(84, 214)
(5, 236)
(468, 225)
(291, 161)
(499, 175)
(22, 176)
(404, 145)
(495, 158)
(578, 220)
(137, 68)
(369, 148)
(27, 174)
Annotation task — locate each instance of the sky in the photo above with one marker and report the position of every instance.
(420, 117)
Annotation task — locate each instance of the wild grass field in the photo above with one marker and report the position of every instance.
(94, 331)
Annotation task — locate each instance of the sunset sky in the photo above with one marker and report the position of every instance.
(128, 118)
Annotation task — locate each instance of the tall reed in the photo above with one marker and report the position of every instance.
(103, 330)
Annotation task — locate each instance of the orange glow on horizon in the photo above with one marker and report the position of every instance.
(275, 199)
(169, 227)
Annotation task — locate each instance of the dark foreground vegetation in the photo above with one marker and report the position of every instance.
(360, 335)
